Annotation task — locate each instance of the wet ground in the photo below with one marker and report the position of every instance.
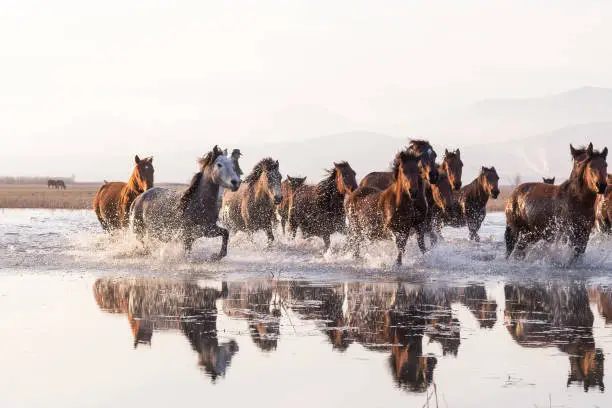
(88, 320)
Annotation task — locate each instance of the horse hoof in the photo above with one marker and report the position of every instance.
(216, 257)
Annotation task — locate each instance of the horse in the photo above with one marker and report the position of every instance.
(288, 188)
(113, 199)
(376, 214)
(253, 206)
(548, 180)
(537, 211)
(51, 184)
(169, 215)
(473, 200)
(453, 167)
(319, 210)
(443, 205)
(60, 184)
(603, 209)
(235, 156)
(429, 174)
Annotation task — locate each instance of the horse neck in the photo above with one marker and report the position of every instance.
(327, 191)
(479, 190)
(207, 194)
(261, 188)
(134, 185)
(402, 196)
(579, 192)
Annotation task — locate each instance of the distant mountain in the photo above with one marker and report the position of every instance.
(497, 120)
(546, 154)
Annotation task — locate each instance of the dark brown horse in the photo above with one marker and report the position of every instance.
(319, 210)
(376, 214)
(537, 211)
(113, 200)
(473, 200)
(453, 167)
(429, 174)
(548, 180)
(443, 205)
(288, 188)
(252, 207)
(603, 209)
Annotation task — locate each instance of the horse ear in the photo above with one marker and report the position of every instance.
(590, 150)
(446, 152)
(553, 180)
(573, 151)
(151, 159)
(604, 153)
(137, 159)
(483, 169)
(493, 169)
(276, 165)
(458, 153)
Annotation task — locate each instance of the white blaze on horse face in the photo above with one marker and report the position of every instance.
(277, 188)
(223, 173)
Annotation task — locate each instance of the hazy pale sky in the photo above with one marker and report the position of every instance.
(131, 72)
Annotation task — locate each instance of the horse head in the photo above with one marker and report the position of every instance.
(143, 172)
(406, 172)
(345, 178)
(593, 168)
(429, 169)
(548, 180)
(268, 177)
(221, 169)
(453, 166)
(489, 180)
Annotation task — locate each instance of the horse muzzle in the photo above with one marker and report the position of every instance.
(413, 192)
(235, 185)
(278, 200)
(601, 187)
(433, 176)
(495, 193)
(457, 186)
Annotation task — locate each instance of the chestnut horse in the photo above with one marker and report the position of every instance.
(252, 207)
(603, 209)
(319, 210)
(537, 211)
(113, 200)
(548, 180)
(376, 214)
(429, 174)
(169, 215)
(453, 167)
(288, 188)
(473, 200)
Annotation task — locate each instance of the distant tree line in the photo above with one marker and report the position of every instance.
(34, 180)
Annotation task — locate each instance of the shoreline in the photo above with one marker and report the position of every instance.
(79, 196)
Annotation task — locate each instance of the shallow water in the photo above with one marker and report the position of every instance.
(90, 320)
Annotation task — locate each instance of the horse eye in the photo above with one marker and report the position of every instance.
(219, 165)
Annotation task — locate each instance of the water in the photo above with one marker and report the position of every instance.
(90, 320)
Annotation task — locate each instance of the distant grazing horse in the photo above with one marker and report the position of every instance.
(319, 210)
(168, 215)
(113, 200)
(376, 214)
(57, 184)
(603, 209)
(61, 184)
(252, 207)
(548, 180)
(473, 200)
(452, 166)
(288, 188)
(537, 211)
(429, 174)
(52, 184)
(235, 156)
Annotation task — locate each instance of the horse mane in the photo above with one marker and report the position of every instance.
(451, 155)
(267, 164)
(210, 157)
(190, 191)
(328, 185)
(402, 157)
(419, 144)
(580, 167)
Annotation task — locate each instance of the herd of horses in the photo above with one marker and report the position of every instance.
(417, 197)
(57, 184)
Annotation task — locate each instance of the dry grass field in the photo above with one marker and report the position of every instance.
(80, 195)
(76, 196)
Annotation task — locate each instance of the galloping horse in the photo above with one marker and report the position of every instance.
(288, 188)
(548, 180)
(376, 214)
(319, 210)
(429, 174)
(253, 206)
(444, 207)
(235, 156)
(537, 211)
(473, 200)
(603, 209)
(453, 167)
(113, 200)
(168, 215)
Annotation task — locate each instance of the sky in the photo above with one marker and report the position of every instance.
(82, 77)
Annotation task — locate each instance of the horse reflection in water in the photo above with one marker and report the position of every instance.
(260, 306)
(155, 305)
(602, 297)
(385, 317)
(474, 297)
(549, 316)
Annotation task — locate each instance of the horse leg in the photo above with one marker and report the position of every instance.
(579, 243)
(216, 231)
(510, 241)
(270, 235)
(327, 242)
(400, 242)
(420, 238)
